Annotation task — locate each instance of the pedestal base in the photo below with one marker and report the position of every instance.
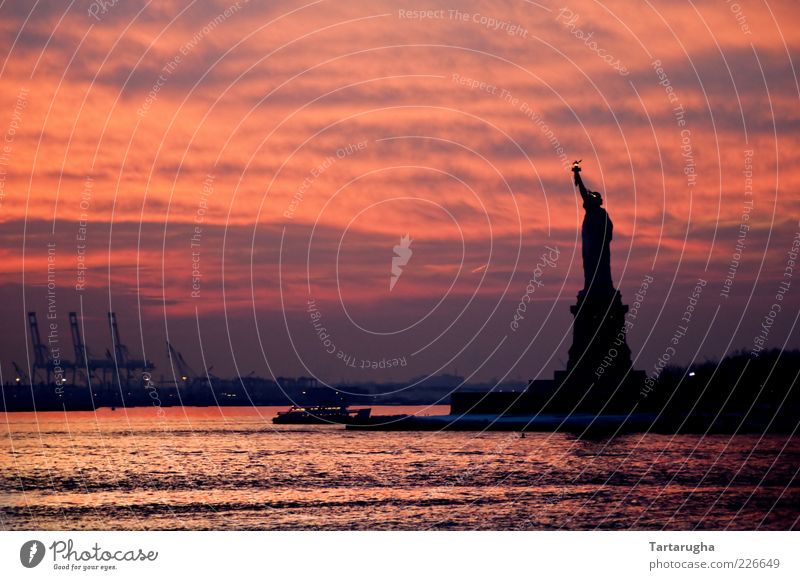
(599, 377)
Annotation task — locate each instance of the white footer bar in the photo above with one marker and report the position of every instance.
(401, 555)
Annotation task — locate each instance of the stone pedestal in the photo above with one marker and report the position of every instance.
(598, 334)
(598, 377)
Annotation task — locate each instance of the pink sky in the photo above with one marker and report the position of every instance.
(323, 133)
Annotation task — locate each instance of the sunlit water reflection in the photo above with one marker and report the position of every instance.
(232, 469)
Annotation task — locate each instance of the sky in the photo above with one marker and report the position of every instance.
(237, 177)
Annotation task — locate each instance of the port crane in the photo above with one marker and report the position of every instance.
(185, 372)
(83, 359)
(122, 359)
(41, 357)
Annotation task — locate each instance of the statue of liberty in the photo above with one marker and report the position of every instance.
(599, 374)
(596, 236)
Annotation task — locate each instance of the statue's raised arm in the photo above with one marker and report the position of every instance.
(576, 171)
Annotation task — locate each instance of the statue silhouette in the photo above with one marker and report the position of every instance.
(596, 236)
(599, 378)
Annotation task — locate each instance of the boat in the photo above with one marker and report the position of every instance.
(321, 415)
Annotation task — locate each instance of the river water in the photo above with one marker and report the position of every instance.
(230, 468)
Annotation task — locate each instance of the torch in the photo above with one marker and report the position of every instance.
(576, 172)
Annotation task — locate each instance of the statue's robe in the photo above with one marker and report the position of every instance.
(596, 235)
